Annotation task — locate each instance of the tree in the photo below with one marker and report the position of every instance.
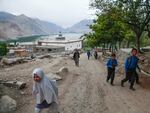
(107, 31)
(3, 49)
(134, 13)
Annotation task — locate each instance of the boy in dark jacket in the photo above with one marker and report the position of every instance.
(88, 54)
(131, 64)
(111, 64)
(76, 57)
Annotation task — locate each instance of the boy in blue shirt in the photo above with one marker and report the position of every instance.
(111, 64)
(131, 64)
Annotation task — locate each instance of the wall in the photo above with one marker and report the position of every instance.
(73, 45)
(48, 50)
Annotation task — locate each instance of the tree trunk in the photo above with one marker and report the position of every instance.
(138, 43)
(120, 44)
(107, 46)
(110, 48)
(116, 47)
(138, 36)
(128, 44)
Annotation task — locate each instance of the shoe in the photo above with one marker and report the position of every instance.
(122, 84)
(112, 84)
(133, 89)
(138, 83)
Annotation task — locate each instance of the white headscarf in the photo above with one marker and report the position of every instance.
(45, 89)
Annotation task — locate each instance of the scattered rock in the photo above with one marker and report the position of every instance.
(53, 76)
(22, 93)
(12, 61)
(1, 65)
(62, 71)
(6, 61)
(17, 84)
(7, 104)
(44, 56)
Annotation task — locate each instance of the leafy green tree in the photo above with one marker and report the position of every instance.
(134, 13)
(129, 38)
(107, 31)
(3, 49)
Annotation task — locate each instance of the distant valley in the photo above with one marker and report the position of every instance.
(12, 26)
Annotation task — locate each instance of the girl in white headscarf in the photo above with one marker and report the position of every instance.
(45, 92)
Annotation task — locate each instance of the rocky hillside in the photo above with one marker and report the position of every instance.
(80, 27)
(13, 26)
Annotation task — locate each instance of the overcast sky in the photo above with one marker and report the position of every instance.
(61, 12)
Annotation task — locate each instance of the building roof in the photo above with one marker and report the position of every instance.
(59, 41)
(49, 46)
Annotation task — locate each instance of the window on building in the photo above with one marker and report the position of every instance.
(49, 50)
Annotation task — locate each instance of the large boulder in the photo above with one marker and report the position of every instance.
(53, 76)
(62, 71)
(16, 84)
(7, 104)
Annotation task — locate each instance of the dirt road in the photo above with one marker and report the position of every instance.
(84, 89)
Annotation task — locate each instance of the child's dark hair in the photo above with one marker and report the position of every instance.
(113, 55)
(133, 49)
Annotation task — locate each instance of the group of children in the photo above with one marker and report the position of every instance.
(131, 64)
(46, 92)
(90, 53)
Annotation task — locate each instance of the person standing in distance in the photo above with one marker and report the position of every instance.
(76, 57)
(88, 54)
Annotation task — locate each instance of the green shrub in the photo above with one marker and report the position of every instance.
(3, 49)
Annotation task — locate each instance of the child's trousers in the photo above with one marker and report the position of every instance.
(52, 109)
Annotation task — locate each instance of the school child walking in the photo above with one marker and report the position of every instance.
(131, 64)
(76, 57)
(111, 64)
(88, 54)
(45, 92)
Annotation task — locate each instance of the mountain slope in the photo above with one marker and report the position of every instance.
(81, 27)
(49, 27)
(12, 26)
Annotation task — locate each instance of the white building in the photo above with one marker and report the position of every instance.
(69, 45)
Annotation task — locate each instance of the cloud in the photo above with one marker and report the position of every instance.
(61, 12)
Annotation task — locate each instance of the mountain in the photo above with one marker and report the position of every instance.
(81, 27)
(12, 26)
(49, 27)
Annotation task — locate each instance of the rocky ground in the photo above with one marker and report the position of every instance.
(82, 90)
